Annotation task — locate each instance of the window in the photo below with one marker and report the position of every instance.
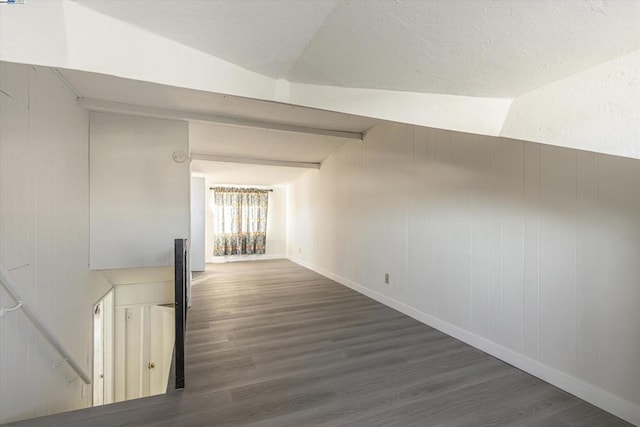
(240, 221)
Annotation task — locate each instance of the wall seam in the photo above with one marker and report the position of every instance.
(598, 284)
(539, 239)
(524, 264)
(575, 265)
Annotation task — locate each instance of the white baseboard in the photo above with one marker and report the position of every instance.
(594, 395)
(241, 258)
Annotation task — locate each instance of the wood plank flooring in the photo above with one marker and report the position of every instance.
(270, 343)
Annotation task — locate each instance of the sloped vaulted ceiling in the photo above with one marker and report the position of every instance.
(464, 47)
(449, 64)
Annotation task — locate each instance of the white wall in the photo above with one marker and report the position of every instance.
(137, 291)
(529, 252)
(276, 227)
(139, 194)
(44, 241)
(198, 214)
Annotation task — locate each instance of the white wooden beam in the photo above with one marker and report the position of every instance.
(252, 161)
(143, 110)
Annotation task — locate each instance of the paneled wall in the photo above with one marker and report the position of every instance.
(44, 241)
(527, 251)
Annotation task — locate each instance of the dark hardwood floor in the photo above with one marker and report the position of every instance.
(270, 343)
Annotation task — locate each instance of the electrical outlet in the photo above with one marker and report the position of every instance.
(299, 250)
(386, 278)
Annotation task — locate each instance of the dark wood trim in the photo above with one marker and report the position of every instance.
(181, 281)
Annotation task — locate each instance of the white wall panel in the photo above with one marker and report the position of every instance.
(637, 274)
(461, 246)
(619, 290)
(558, 259)
(531, 236)
(534, 248)
(481, 222)
(511, 181)
(198, 214)
(495, 298)
(44, 225)
(587, 247)
(441, 223)
(419, 254)
(139, 194)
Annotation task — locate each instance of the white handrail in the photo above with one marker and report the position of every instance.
(8, 282)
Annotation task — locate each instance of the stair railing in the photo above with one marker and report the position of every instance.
(182, 275)
(9, 284)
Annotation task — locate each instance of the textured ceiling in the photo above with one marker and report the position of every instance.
(462, 47)
(266, 36)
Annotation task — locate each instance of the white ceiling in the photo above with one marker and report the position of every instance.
(241, 32)
(245, 142)
(242, 174)
(134, 92)
(463, 47)
(242, 142)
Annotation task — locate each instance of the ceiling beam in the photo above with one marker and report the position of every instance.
(252, 161)
(146, 111)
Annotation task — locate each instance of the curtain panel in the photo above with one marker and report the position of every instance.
(240, 221)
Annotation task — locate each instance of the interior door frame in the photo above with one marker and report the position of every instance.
(106, 307)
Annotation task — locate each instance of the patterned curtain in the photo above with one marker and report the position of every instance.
(240, 221)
